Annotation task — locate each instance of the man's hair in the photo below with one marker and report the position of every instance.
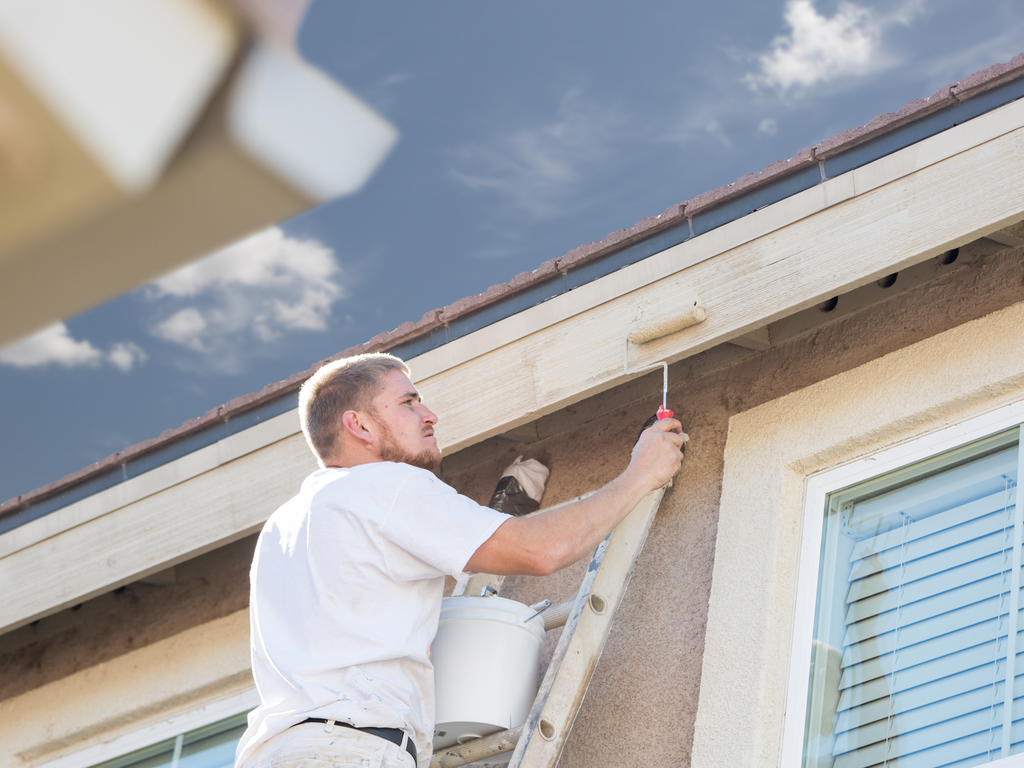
(349, 384)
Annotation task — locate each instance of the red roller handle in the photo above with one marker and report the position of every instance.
(664, 413)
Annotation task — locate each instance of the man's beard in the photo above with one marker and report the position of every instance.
(390, 451)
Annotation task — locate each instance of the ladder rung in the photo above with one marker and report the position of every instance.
(478, 749)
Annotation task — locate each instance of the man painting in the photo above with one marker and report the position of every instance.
(348, 576)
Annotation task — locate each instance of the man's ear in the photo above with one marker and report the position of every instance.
(357, 425)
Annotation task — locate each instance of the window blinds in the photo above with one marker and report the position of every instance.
(911, 652)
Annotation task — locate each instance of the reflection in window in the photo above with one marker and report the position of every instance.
(209, 747)
(917, 614)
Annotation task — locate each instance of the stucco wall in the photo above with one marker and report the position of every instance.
(109, 699)
(770, 452)
(203, 589)
(643, 704)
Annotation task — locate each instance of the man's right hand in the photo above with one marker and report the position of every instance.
(658, 454)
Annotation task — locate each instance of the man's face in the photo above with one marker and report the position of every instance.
(406, 424)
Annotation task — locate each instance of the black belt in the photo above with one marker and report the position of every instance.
(394, 735)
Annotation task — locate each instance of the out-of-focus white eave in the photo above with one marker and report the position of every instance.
(127, 78)
(306, 127)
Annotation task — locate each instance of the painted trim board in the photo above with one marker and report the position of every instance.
(152, 482)
(719, 241)
(153, 533)
(147, 736)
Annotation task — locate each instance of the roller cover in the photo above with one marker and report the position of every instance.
(646, 329)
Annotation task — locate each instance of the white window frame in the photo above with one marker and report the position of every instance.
(817, 490)
(164, 730)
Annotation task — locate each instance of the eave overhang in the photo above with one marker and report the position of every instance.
(841, 233)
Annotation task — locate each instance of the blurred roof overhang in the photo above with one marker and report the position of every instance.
(134, 141)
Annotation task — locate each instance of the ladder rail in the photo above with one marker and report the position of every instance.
(477, 749)
(562, 692)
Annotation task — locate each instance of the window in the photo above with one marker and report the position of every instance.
(910, 657)
(210, 747)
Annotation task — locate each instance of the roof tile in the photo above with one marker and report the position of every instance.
(405, 331)
(523, 280)
(889, 121)
(989, 78)
(619, 239)
(545, 271)
(168, 435)
(78, 476)
(475, 301)
(751, 181)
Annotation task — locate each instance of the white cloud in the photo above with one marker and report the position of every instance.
(184, 327)
(820, 49)
(543, 170)
(51, 345)
(769, 126)
(258, 288)
(124, 356)
(269, 259)
(54, 345)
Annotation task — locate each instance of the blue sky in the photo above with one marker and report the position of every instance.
(525, 130)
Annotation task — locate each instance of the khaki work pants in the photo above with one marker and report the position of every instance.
(310, 746)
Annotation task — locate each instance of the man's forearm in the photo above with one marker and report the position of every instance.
(581, 526)
(544, 543)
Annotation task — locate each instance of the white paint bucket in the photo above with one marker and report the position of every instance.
(486, 656)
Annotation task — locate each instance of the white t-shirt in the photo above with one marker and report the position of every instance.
(346, 590)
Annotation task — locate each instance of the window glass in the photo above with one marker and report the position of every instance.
(212, 747)
(917, 614)
(209, 747)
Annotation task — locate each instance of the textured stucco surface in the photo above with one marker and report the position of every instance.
(205, 588)
(104, 700)
(770, 451)
(642, 706)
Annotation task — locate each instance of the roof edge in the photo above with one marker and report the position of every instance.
(944, 98)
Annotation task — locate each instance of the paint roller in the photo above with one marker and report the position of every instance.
(649, 325)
